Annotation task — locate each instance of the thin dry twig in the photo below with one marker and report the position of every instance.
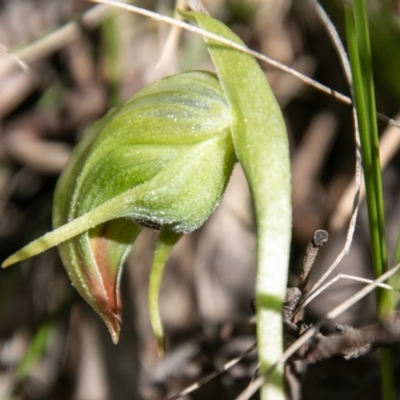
(233, 45)
(358, 174)
(343, 276)
(353, 343)
(320, 238)
(216, 373)
(162, 18)
(340, 309)
(244, 49)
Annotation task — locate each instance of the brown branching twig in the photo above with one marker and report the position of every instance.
(350, 342)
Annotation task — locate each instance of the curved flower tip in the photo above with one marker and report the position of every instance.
(94, 263)
(114, 323)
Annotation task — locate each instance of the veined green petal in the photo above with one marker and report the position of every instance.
(141, 138)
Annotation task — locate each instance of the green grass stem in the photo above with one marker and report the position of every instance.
(364, 99)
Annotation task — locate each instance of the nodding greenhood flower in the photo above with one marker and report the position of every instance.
(163, 160)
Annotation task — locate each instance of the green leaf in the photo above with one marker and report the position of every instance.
(261, 145)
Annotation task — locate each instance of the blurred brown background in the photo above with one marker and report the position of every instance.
(82, 60)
